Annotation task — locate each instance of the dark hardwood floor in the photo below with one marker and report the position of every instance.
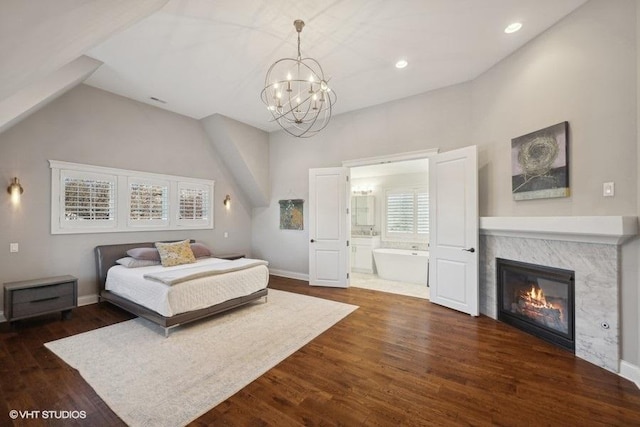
(395, 361)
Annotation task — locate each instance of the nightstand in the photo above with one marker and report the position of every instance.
(31, 298)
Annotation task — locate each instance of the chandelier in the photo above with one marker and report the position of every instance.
(297, 94)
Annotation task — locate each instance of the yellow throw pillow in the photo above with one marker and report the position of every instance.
(175, 253)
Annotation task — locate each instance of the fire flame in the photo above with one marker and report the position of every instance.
(537, 296)
(533, 304)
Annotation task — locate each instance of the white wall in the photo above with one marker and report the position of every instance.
(582, 70)
(88, 125)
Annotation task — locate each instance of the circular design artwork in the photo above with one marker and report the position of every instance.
(538, 155)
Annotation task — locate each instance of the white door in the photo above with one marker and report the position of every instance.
(329, 227)
(453, 234)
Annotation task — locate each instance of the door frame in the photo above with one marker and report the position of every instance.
(390, 158)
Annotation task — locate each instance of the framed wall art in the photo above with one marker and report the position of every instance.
(291, 214)
(540, 164)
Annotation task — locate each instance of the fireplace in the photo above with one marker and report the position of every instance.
(538, 300)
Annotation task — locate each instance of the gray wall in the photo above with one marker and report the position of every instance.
(582, 70)
(633, 249)
(88, 125)
(436, 119)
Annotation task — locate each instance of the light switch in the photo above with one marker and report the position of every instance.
(13, 247)
(608, 189)
(226, 234)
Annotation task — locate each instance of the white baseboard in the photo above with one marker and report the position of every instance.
(289, 274)
(87, 300)
(630, 372)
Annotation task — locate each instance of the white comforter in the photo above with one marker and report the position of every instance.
(186, 296)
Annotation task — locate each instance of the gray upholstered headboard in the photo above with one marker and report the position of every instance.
(107, 255)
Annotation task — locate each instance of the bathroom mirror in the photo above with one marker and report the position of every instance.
(363, 210)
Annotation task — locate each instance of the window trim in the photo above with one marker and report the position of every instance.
(122, 221)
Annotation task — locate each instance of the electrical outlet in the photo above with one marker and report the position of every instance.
(13, 247)
(226, 234)
(608, 189)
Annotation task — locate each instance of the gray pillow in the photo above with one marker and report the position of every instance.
(200, 251)
(130, 262)
(149, 254)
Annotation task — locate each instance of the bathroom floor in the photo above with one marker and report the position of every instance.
(373, 282)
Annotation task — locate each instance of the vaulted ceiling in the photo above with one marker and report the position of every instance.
(205, 57)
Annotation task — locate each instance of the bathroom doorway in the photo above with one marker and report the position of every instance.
(390, 226)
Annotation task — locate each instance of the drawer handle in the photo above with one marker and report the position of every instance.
(43, 299)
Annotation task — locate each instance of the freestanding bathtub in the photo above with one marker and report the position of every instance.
(402, 265)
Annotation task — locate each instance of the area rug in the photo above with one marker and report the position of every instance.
(150, 380)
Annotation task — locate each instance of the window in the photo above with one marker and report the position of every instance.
(400, 212)
(88, 200)
(406, 215)
(93, 199)
(194, 204)
(422, 203)
(148, 203)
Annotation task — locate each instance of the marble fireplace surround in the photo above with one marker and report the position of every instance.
(588, 245)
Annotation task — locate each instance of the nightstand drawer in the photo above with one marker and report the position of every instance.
(41, 293)
(43, 305)
(28, 298)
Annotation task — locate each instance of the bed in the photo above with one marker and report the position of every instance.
(129, 289)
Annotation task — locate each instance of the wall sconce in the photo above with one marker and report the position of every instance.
(227, 201)
(15, 189)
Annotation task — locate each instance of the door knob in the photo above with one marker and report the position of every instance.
(312, 241)
(472, 250)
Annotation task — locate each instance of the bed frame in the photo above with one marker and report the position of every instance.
(106, 257)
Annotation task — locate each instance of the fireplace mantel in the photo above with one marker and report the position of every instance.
(612, 230)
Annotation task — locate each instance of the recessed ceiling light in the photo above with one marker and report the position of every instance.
(512, 28)
(402, 63)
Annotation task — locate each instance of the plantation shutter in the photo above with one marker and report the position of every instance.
(400, 212)
(96, 199)
(88, 199)
(148, 203)
(422, 201)
(194, 204)
(406, 215)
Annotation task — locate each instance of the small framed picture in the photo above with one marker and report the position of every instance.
(540, 164)
(291, 214)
